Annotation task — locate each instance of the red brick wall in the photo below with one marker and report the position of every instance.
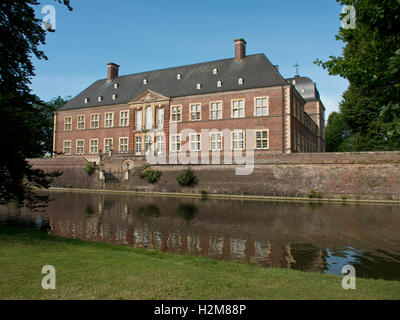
(115, 132)
(274, 122)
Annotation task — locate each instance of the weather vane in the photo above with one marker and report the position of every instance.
(297, 68)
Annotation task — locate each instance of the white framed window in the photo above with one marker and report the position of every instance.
(86, 100)
(261, 106)
(176, 113)
(138, 120)
(80, 146)
(178, 76)
(124, 118)
(195, 142)
(237, 140)
(99, 99)
(94, 146)
(240, 81)
(195, 112)
(216, 110)
(116, 85)
(109, 120)
(80, 124)
(108, 145)
(175, 142)
(144, 81)
(160, 144)
(114, 96)
(160, 118)
(67, 147)
(138, 145)
(219, 83)
(68, 124)
(216, 141)
(215, 71)
(94, 121)
(147, 144)
(237, 108)
(198, 86)
(149, 118)
(262, 140)
(123, 144)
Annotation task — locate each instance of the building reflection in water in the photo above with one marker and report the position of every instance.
(216, 244)
(285, 235)
(238, 247)
(193, 243)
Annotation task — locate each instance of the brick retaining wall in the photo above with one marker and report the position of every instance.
(366, 175)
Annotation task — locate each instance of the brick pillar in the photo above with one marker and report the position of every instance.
(132, 130)
(166, 127)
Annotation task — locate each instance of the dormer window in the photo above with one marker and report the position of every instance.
(144, 81)
(215, 71)
(240, 81)
(302, 90)
(114, 96)
(198, 86)
(219, 84)
(99, 99)
(86, 100)
(178, 76)
(116, 85)
(294, 82)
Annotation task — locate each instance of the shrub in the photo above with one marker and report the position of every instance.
(89, 168)
(320, 194)
(203, 193)
(312, 193)
(187, 178)
(151, 175)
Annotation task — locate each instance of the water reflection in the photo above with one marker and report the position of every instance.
(307, 237)
(187, 211)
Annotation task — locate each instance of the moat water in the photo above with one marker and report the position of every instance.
(302, 236)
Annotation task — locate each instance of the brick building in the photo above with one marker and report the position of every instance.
(203, 108)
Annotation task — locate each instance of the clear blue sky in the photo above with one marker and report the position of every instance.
(148, 35)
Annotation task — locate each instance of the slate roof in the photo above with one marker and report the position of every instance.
(255, 70)
(306, 88)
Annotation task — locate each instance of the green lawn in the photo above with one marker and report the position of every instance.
(87, 270)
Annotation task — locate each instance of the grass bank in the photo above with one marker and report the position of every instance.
(86, 270)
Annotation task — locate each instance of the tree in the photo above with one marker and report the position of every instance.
(336, 133)
(46, 117)
(23, 115)
(371, 62)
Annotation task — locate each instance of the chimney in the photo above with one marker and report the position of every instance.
(112, 71)
(240, 49)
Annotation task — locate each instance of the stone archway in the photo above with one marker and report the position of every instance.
(127, 165)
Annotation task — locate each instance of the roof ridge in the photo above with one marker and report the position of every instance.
(177, 67)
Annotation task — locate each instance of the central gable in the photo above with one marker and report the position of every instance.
(148, 96)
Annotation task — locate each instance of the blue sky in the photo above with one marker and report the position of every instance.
(147, 35)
